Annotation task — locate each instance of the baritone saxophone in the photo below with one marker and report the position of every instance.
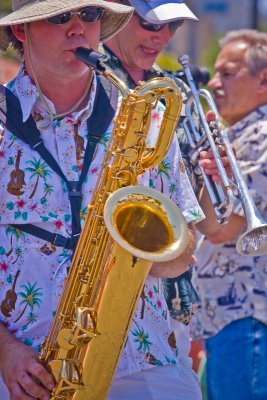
(128, 227)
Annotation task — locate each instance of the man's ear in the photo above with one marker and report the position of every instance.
(19, 32)
(263, 80)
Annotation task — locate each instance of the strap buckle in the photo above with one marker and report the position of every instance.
(68, 243)
(61, 241)
(35, 146)
(73, 192)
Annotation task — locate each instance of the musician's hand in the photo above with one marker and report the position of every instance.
(179, 265)
(21, 371)
(207, 160)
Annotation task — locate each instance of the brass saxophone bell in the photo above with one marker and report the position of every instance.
(146, 223)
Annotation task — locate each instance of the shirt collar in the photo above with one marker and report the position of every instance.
(31, 103)
(249, 119)
(26, 92)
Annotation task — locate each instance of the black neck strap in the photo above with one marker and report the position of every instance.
(103, 112)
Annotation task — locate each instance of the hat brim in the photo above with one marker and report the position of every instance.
(115, 17)
(160, 11)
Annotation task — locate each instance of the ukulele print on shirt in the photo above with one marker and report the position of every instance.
(79, 141)
(9, 302)
(17, 183)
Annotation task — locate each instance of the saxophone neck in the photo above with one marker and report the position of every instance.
(118, 83)
(96, 61)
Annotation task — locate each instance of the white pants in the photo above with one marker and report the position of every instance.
(175, 382)
(171, 382)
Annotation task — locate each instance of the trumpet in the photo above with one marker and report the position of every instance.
(253, 242)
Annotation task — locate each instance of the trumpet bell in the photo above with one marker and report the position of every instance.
(253, 242)
(146, 223)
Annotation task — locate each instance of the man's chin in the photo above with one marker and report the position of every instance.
(147, 64)
(224, 115)
(220, 105)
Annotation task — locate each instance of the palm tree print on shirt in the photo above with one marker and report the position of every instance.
(172, 189)
(163, 170)
(48, 189)
(13, 138)
(38, 168)
(196, 214)
(30, 298)
(18, 254)
(31, 318)
(13, 232)
(141, 338)
(105, 139)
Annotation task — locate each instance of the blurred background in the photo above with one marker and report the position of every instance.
(8, 62)
(200, 39)
(197, 39)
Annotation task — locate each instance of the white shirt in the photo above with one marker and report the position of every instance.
(35, 269)
(232, 286)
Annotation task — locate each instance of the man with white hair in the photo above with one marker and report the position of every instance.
(232, 316)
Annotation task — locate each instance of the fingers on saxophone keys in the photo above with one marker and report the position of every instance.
(33, 387)
(17, 393)
(41, 376)
(27, 389)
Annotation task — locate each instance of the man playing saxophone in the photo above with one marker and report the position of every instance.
(46, 185)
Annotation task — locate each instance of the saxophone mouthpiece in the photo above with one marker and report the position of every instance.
(91, 58)
(96, 61)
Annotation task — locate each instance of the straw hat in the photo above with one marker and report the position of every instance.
(115, 17)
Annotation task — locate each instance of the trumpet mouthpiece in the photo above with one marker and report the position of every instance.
(184, 60)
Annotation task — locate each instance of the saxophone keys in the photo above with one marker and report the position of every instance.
(68, 375)
(64, 339)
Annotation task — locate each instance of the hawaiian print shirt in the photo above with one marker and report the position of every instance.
(180, 293)
(32, 271)
(232, 286)
(156, 72)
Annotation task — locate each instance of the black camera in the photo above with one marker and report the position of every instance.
(201, 76)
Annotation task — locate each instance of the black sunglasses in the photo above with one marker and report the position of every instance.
(173, 25)
(87, 14)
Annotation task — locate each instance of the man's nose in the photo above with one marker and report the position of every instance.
(215, 82)
(163, 36)
(75, 26)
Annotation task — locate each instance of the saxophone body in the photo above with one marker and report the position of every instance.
(116, 249)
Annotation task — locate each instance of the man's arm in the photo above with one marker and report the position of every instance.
(179, 265)
(218, 233)
(21, 370)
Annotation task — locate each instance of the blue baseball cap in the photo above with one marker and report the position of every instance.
(162, 11)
